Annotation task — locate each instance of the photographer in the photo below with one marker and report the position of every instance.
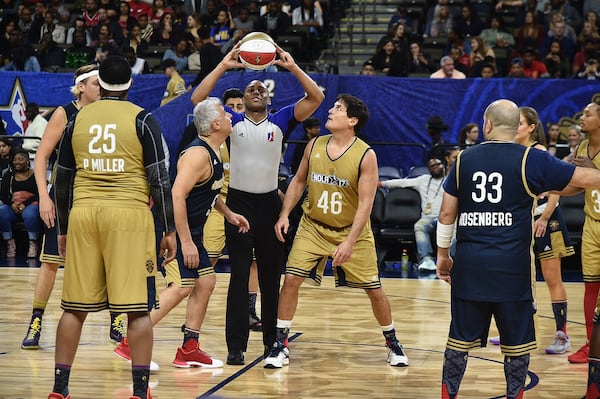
(590, 71)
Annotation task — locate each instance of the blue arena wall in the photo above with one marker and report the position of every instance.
(399, 107)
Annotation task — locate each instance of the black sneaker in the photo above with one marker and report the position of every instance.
(235, 357)
(254, 322)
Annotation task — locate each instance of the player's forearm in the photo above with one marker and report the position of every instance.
(181, 221)
(361, 218)
(208, 83)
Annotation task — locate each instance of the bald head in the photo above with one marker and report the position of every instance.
(501, 120)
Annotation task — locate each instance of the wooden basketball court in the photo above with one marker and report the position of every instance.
(337, 349)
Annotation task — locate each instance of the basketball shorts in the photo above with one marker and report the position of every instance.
(315, 242)
(49, 252)
(214, 234)
(470, 325)
(187, 277)
(590, 250)
(555, 244)
(111, 260)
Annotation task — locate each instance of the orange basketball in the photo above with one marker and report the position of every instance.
(257, 51)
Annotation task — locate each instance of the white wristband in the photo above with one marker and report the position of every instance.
(444, 234)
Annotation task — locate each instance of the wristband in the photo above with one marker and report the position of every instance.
(444, 234)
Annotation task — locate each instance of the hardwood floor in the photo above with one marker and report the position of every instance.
(337, 349)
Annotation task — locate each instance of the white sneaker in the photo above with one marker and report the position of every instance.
(278, 356)
(396, 356)
(427, 265)
(560, 345)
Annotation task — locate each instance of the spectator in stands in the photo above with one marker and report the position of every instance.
(35, 128)
(210, 56)
(22, 56)
(135, 41)
(429, 187)
(569, 31)
(61, 10)
(440, 25)
(26, 26)
(243, 22)
(435, 126)
(112, 8)
(574, 138)
(456, 55)
(516, 68)
(146, 27)
(532, 67)
(514, 7)
(79, 54)
(138, 65)
(401, 39)
(591, 16)
(401, 17)
(480, 54)
(450, 157)
(78, 26)
(124, 19)
(309, 15)
(556, 62)
(590, 71)
(447, 70)
(179, 54)
(388, 61)
(419, 61)
(166, 33)
(104, 40)
(368, 69)
(222, 30)
(467, 24)
(194, 62)
(568, 46)
(570, 14)
(50, 55)
(588, 32)
(113, 26)
(157, 11)
(39, 11)
(495, 36)
(5, 150)
(50, 26)
(435, 10)
(469, 135)
(554, 141)
(19, 201)
(488, 71)
(192, 26)
(90, 14)
(531, 34)
(274, 22)
(209, 16)
(589, 50)
(591, 6)
(137, 8)
(312, 129)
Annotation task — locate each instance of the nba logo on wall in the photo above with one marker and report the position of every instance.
(13, 110)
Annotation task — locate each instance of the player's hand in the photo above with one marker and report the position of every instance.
(539, 226)
(444, 265)
(342, 253)
(285, 59)
(168, 247)
(62, 245)
(240, 221)
(47, 212)
(281, 228)
(191, 257)
(231, 60)
(583, 162)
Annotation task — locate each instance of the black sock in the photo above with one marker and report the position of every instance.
(560, 315)
(455, 364)
(282, 334)
(515, 371)
(61, 379)
(252, 302)
(141, 376)
(188, 334)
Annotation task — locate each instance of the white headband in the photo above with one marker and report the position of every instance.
(86, 75)
(114, 87)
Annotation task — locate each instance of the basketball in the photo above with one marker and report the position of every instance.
(257, 51)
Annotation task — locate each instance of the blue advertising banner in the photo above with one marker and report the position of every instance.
(399, 107)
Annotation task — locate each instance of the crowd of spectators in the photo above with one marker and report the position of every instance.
(486, 38)
(47, 35)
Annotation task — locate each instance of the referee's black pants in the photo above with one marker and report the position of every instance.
(262, 211)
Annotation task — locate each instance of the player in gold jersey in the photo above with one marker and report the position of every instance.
(340, 171)
(113, 151)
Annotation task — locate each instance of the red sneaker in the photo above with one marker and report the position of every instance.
(55, 395)
(581, 356)
(148, 396)
(124, 352)
(195, 358)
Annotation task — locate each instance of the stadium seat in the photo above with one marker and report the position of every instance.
(389, 172)
(415, 171)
